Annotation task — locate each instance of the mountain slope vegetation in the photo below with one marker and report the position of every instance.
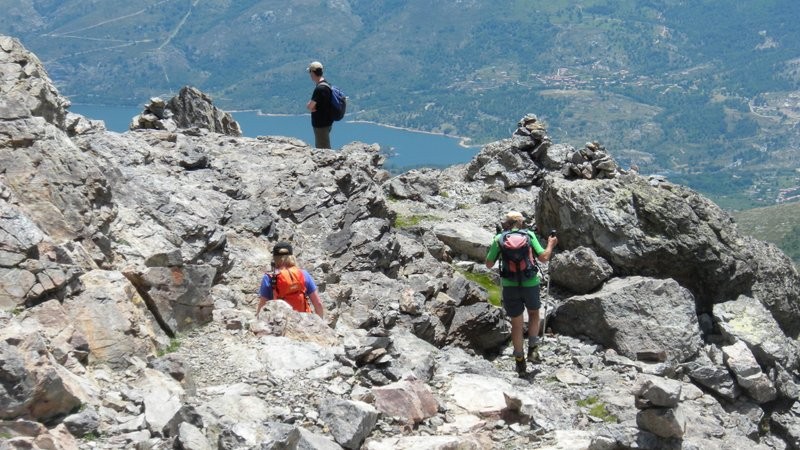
(778, 224)
(705, 92)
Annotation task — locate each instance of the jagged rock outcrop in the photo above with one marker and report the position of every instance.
(26, 91)
(36, 387)
(117, 247)
(191, 108)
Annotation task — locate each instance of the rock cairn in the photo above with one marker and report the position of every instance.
(532, 127)
(155, 116)
(590, 162)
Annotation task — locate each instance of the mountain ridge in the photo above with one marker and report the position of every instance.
(693, 90)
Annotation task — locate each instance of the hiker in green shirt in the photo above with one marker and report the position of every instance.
(520, 280)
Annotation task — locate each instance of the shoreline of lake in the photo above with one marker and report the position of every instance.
(462, 141)
(405, 148)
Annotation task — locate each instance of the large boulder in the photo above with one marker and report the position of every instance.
(634, 316)
(114, 318)
(34, 386)
(180, 296)
(669, 231)
(579, 270)
(508, 162)
(747, 320)
(465, 239)
(481, 326)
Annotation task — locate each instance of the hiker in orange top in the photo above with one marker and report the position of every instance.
(289, 283)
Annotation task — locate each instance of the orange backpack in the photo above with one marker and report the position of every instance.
(290, 286)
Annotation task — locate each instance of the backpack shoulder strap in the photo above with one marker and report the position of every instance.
(534, 256)
(298, 272)
(501, 238)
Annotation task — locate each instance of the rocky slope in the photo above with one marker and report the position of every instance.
(129, 265)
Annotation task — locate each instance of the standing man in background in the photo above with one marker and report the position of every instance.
(320, 107)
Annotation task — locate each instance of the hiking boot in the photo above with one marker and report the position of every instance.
(521, 366)
(533, 354)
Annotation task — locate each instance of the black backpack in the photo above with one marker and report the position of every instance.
(517, 261)
(338, 102)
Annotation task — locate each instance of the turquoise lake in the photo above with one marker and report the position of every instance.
(405, 149)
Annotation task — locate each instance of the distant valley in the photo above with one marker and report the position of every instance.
(779, 224)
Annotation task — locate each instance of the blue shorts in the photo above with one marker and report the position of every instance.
(517, 298)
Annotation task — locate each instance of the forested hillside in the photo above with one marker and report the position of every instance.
(778, 224)
(705, 92)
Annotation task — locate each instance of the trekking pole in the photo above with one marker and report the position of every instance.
(544, 305)
(547, 294)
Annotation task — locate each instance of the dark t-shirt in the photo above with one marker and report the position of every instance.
(322, 116)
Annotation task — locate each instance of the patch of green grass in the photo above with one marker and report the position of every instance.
(91, 436)
(597, 409)
(486, 282)
(174, 345)
(413, 220)
(764, 425)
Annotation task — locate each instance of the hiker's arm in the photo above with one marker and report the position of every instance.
(318, 308)
(261, 302)
(493, 253)
(552, 241)
(311, 105)
(264, 292)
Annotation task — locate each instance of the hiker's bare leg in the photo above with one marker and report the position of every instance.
(261, 302)
(533, 323)
(517, 325)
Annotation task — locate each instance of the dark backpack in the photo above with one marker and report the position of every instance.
(338, 102)
(517, 261)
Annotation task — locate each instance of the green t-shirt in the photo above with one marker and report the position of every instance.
(494, 253)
